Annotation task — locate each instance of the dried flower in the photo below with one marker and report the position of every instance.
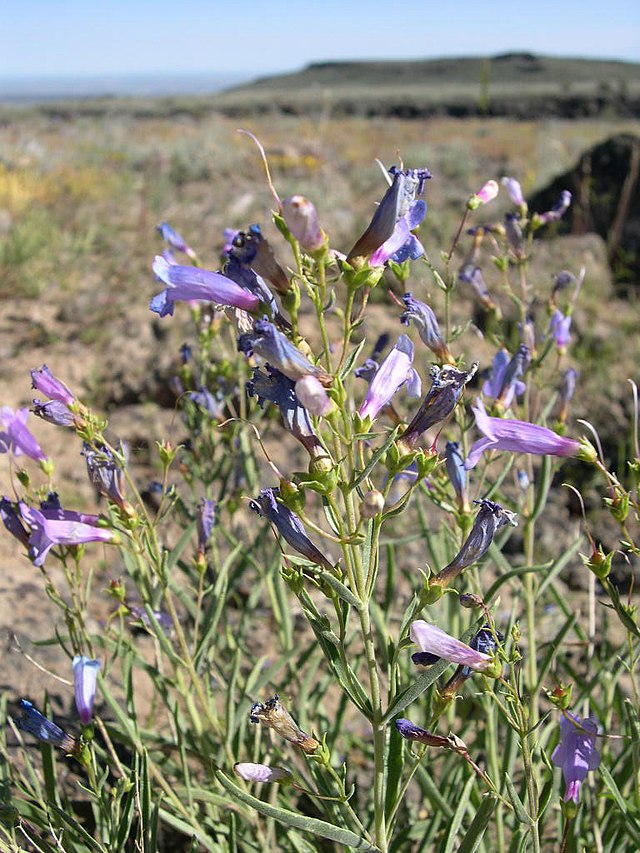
(410, 731)
(576, 753)
(274, 715)
(85, 675)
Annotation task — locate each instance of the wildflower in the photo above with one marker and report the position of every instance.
(514, 234)
(483, 641)
(205, 400)
(175, 240)
(253, 250)
(301, 217)
(12, 520)
(163, 619)
(567, 390)
(504, 382)
(85, 675)
(557, 211)
(576, 753)
(46, 383)
(186, 283)
(274, 715)
(250, 281)
(433, 641)
(427, 325)
(279, 352)
(49, 527)
(37, 724)
(514, 190)
(275, 387)
(490, 518)
(106, 474)
(516, 436)
(457, 474)
(205, 521)
(527, 331)
(472, 274)
(559, 326)
(313, 397)
(484, 195)
(561, 282)
(402, 244)
(54, 412)
(447, 384)
(405, 185)
(395, 371)
(372, 503)
(16, 437)
(410, 731)
(288, 526)
(261, 772)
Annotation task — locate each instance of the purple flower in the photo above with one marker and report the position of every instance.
(205, 521)
(402, 244)
(567, 390)
(275, 387)
(15, 436)
(395, 371)
(490, 518)
(105, 473)
(46, 383)
(470, 273)
(301, 217)
(12, 520)
(288, 526)
(484, 195)
(37, 724)
(271, 345)
(406, 184)
(504, 382)
(175, 240)
(313, 397)
(559, 326)
(410, 731)
(457, 473)
(514, 234)
(485, 641)
(515, 191)
(427, 325)
(187, 283)
(51, 527)
(204, 399)
(253, 250)
(163, 619)
(85, 675)
(516, 436)
(447, 384)
(54, 412)
(261, 772)
(434, 641)
(557, 211)
(576, 753)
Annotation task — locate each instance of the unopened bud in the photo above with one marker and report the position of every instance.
(372, 504)
(302, 221)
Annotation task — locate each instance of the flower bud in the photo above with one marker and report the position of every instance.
(85, 674)
(484, 195)
(261, 772)
(313, 397)
(372, 504)
(302, 220)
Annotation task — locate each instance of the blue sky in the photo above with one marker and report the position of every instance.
(97, 37)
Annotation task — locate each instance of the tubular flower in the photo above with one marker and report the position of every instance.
(504, 382)
(471, 274)
(313, 397)
(516, 436)
(405, 186)
(395, 371)
(567, 390)
(51, 527)
(301, 217)
(174, 240)
(46, 383)
(447, 384)
(278, 351)
(54, 412)
(106, 474)
(12, 520)
(37, 724)
(187, 283)
(557, 211)
(85, 675)
(253, 250)
(15, 435)
(576, 753)
(410, 731)
(436, 643)
(427, 325)
(261, 772)
(484, 195)
(484, 641)
(274, 715)
(402, 244)
(559, 326)
(205, 521)
(457, 474)
(288, 526)
(514, 190)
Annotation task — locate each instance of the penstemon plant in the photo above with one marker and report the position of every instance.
(327, 625)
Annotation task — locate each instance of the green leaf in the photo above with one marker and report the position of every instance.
(181, 544)
(371, 464)
(289, 818)
(351, 359)
(456, 821)
(521, 813)
(417, 688)
(473, 836)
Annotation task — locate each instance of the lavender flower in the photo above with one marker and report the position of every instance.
(46, 383)
(187, 283)
(557, 211)
(204, 399)
(410, 731)
(85, 675)
(567, 390)
(490, 518)
(395, 371)
(16, 437)
(485, 641)
(447, 384)
(484, 195)
(514, 234)
(436, 642)
(457, 473)
(504, 382)
(301, 217)
(516, 436)
(275, 387)
(37, 724)
(576, 753)
(262, 773)
(471, 274)
(54, 412)
(406, 184)
(12, 520)
(427, 325)
(271, 345)
(288, 526)
(173, 239)
(313, 397)
(205, 521)
(559, 326)
(402, 244)
(274, 715)
(51, 527)
(514, 190)
(253, 250)
(163, 619)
